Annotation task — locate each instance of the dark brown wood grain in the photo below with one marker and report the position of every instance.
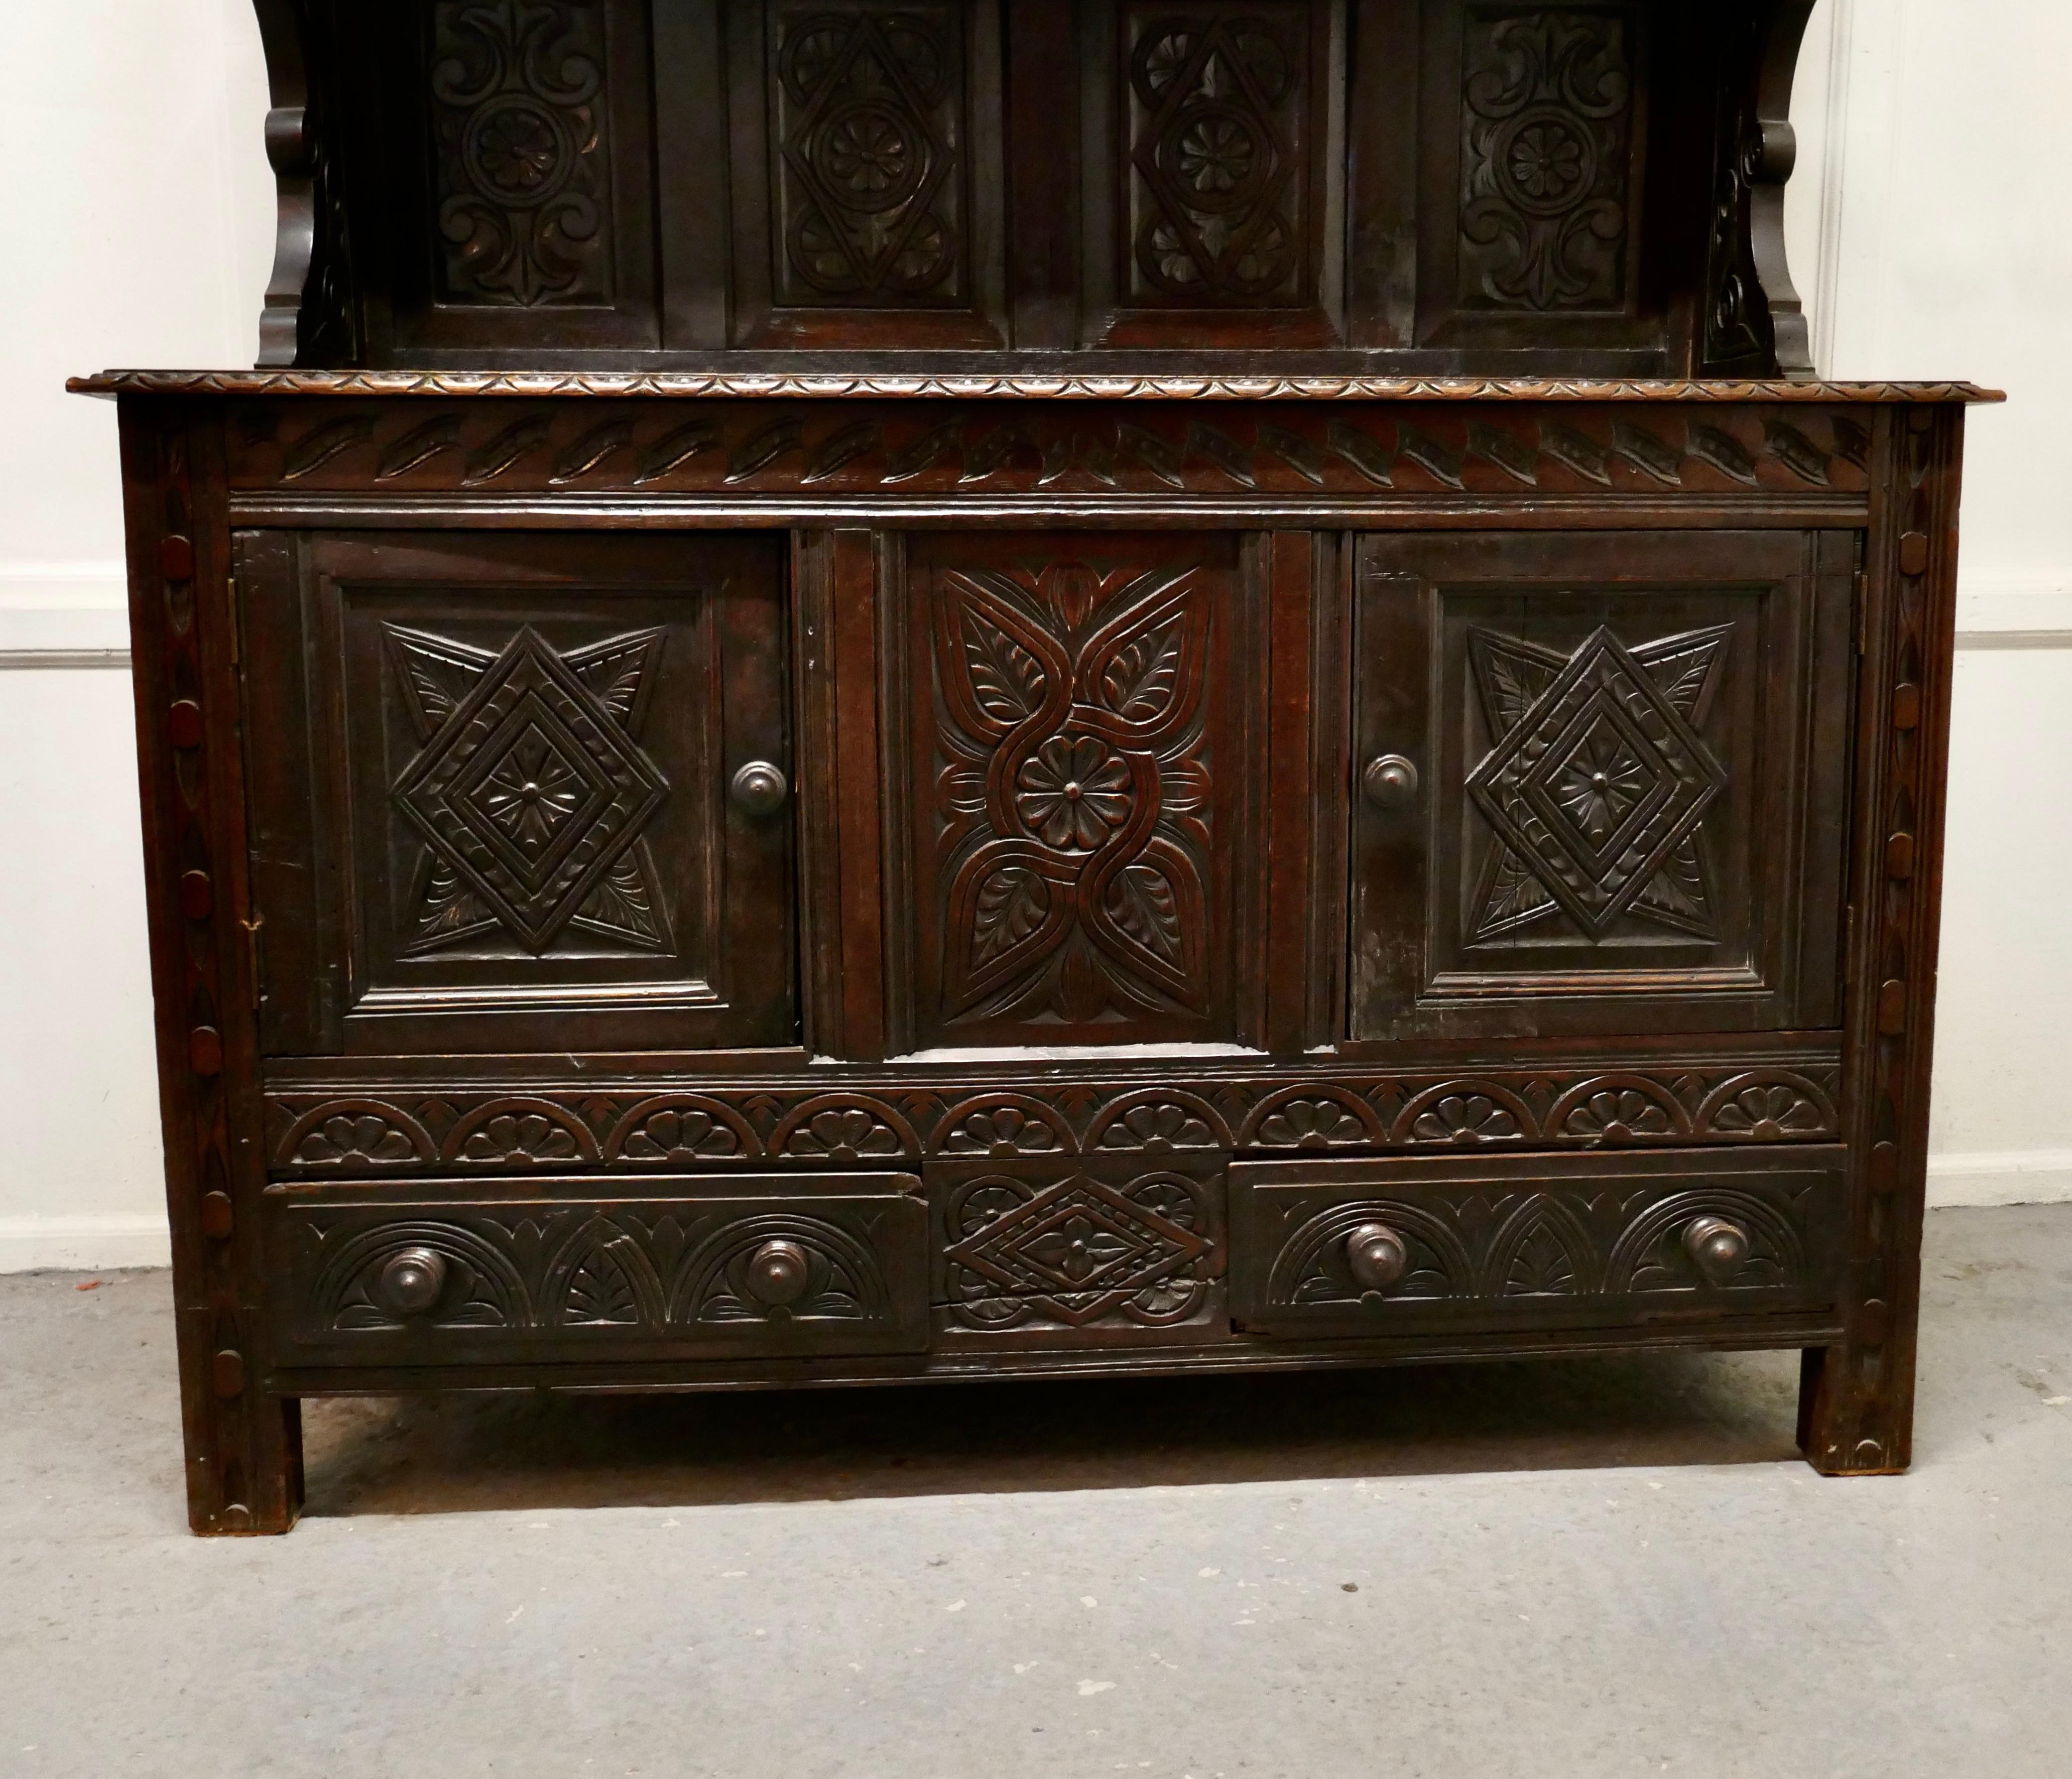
(755, 1267)
(1080, 788)
(1451, 186)
(243, 1445)
(1355, 1249)
(1857, 1410)
(917, 682)
(854, 570)
(1027, 690)
(1298, 562)
(511, 823)
(1624, 812)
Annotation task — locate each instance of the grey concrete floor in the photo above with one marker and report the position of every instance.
(1604, 1568)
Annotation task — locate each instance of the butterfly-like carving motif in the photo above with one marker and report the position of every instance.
(1073, 862)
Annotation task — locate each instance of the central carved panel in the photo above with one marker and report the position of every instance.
(1217, 182)
(1078, 1250)
(522, 153)
(1547, 128)
(868, 108)
(1073, 844)
(1077, 886)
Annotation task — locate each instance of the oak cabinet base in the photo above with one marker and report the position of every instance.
(670, 891)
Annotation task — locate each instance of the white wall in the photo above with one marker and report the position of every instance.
(1931, 234)
(1935, 218)
(138, 221)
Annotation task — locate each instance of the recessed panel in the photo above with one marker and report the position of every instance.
(511, 148)
(1212, 136)
(1542, 217)
(1217, 175)
(860, 176)
(522, 137)
(1546, 194)
(522, 793)
(869, 146)
(1081, 769)
(1597, 783)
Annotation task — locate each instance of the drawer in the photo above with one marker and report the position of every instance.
(444, 1273)
(1328, 1249)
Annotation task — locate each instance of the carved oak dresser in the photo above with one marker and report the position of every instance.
(895, 690)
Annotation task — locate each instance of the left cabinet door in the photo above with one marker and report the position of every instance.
(517, 792)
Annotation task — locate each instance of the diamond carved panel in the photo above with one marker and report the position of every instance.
(1598, 784)
(530, 790)
(1076, 1250)
(869, 106)
(1217, 185)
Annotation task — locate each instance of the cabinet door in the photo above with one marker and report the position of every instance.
(1599, 782)
(1077, 783)
(494, 795)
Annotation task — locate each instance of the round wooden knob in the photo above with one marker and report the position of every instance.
(778, 1273)
(1719, 1249)
(1376, 1256)
(409, 1282)
(760, 787)
(1389, 782)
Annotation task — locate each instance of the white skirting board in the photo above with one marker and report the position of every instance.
(2001, 1176)
(90, 1244)
(40, 1244)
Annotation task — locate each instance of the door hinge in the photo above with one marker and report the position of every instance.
(253, 953)
(230, 599)
(1863, 611)
(1849, 946)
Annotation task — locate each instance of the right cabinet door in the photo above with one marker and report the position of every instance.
(1599, 782)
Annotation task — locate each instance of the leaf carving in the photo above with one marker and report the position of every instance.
(1512, 674)
(1683, 690)
(447, 909)
(1514, 897)
(624, 904)
(614, 670)
(1146, 908)
(1072, 796)
(1140, 679)
(1686, 667)
(437, 675)
(1006, 679)
(1011, 906)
